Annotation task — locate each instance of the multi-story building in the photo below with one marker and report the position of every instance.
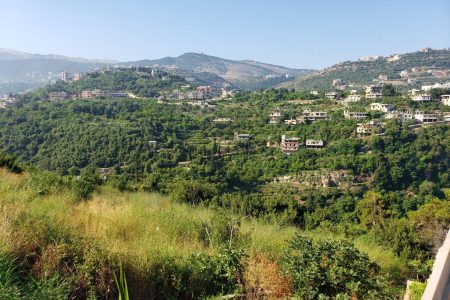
(368, 128)
(56, 96)
(445, 99)
(353, 115)
(243, 137)
(88, 94)
(403, 116)
(289, 144)
(421, 97)
(353, 98)
(275, 116)
(309, 115)
(314, 144)
(331, 95)
(423, 117)
(373, 92)
(381, 107)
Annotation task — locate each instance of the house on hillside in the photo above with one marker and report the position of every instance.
(425, 118)
(445, 99)
(402, 115)
(275, 116)
(289, 144)
(314, 144)
(369, 128)
(352, 115)
(381, 107)
(242, 137)
(421, 97)
(373, 91)
(331, 95)
(57, 96)
(312, 116)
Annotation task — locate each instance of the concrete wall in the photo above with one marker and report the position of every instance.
(438, 285)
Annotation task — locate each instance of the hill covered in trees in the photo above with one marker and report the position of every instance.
(192, 210)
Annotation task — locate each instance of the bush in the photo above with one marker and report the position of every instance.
(329, 268)
(9, 162)
(193, 192)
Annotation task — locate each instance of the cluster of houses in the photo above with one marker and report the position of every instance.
(200, 93)
(87, 94)
(374, 92)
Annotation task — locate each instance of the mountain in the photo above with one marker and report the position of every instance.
(9, 54)
(20, 71)
(425, 66)
(245, 74)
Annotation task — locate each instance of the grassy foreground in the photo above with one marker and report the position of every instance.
(79, 245)
(54, 246)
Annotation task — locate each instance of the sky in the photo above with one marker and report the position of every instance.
(300, 34)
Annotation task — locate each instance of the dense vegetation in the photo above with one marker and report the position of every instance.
(221, 221)
(363, 72)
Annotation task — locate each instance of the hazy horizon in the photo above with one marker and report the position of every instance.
(296, 35)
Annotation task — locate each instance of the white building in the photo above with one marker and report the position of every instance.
(422, 117)
(309, 115)
(353, 98)
(351, 115)
(314, 144)
(373, 92)
(403, 116)
(331, 95)
(445, 99)
(381, 107)
(275, 116)
(421, 98)
(368, 128)
(291, 122)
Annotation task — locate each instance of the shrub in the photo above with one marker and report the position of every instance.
(329, 268)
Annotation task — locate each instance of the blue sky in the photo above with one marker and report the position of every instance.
(303, 34)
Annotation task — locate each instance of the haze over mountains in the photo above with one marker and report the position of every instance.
(21, 71)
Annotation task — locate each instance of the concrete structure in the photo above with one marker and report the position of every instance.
(56, 96)
(291, 122)
(243, 137)
(351, 115)
(289, 144)
(314, 144)
(421, 98)
(331, 95)
(88, 94)
(353, 98)
(381, 107)
(422, 117)
(445, 99)
(309, 115)
(368, 128)
(438, 285)
(403, 116)
(222, 120)
(373, 92)
(275, 116)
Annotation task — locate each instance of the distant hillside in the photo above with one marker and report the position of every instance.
(8, 54)
(20, 71)
(245, 74)
(429, 67)
(141, 83)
